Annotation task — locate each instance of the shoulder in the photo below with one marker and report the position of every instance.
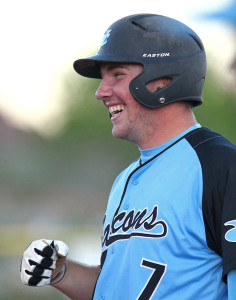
(212, 148)
(217, 157)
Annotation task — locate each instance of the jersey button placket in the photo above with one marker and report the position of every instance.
(112, 249)
(126, 206)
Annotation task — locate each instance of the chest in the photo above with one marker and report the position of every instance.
(159, 199)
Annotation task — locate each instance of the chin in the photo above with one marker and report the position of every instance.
(122, 136)
(119, 134)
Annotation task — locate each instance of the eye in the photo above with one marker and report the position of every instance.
(117, 74)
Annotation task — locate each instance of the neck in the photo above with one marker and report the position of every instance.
(167, 123)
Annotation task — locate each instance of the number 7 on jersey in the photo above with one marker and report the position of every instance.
(154, 280)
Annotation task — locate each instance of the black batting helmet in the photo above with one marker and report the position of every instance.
(164, 46)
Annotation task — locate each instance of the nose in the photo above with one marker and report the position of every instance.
(104, 90)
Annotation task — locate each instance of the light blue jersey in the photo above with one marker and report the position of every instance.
(159, 237)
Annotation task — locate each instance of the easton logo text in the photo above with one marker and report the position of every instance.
(156, 55)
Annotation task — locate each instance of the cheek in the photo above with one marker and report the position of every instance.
(135, 113)
(122, 91)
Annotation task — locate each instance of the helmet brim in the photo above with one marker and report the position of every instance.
(90, 67)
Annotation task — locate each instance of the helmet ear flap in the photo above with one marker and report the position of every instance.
(187, 79)
(149, 93)
(156, 85)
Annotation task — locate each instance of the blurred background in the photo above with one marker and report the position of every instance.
(58, 158)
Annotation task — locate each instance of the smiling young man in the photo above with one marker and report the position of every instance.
(169, 227)
(114, 92)
(133, 121)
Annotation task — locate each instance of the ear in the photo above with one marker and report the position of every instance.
(157, 84)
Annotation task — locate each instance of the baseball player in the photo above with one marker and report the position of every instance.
(170, 226)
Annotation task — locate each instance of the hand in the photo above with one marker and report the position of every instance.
(43, 261)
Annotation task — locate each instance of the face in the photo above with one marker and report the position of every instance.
(129, 118)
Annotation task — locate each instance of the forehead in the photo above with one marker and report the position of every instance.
(110, 66)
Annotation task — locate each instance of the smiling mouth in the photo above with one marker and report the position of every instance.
(116, 110)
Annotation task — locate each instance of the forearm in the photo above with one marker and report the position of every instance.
(79, 281)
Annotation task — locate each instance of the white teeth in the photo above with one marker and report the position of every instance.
(116, 109)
